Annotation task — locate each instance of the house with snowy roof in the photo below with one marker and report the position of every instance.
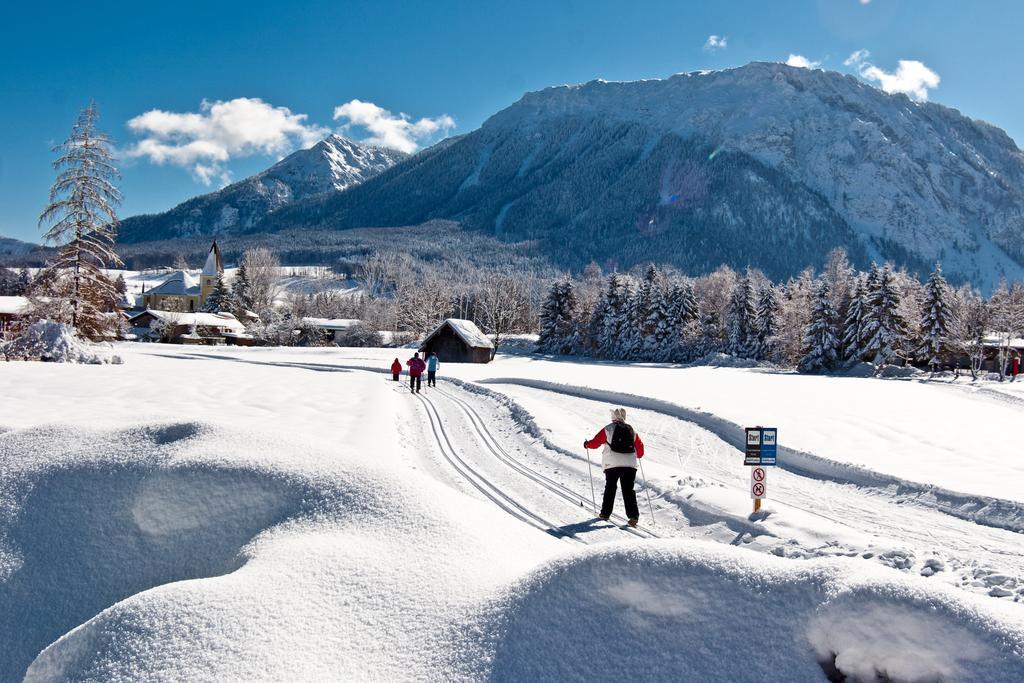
(182, 292)
(189, 328)
(12, 308)
(458, 341)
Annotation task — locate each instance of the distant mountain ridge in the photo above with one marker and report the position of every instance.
(765, 165)
(13, 247)
(332, 165)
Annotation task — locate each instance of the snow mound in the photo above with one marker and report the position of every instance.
(708, 612)
(189, 551)
(55, 342)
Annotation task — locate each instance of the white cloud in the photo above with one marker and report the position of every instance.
(802, 62)
(204, 141)
(911, 77)
(716, 43)
(856, 57)
(388, 130)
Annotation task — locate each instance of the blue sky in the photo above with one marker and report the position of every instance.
(275, 77)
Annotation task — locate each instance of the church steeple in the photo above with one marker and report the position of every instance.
(214, 266)
(213, 269)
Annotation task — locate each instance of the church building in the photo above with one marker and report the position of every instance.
(181, 291)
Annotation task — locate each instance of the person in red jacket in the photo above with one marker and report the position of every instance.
(396, 370)
(416, 368)
(622, 449)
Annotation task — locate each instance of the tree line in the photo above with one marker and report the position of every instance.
(815, 323)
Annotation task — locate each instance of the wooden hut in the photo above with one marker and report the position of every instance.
(458, 341)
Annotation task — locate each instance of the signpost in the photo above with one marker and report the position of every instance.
(761, 452)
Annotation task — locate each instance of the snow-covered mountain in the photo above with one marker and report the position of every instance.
(765, 164)
(332, 165)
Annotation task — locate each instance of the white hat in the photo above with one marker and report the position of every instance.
(618, 414)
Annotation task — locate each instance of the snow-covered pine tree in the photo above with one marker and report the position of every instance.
(663, 323)
(241, 297)
(82, 221)
(884, 328)
(766, 324)
(742, 314)
(24, 282)
(557, 319)
(638, 332)
(219, 299)
(820, 343)
(854, 337)
(613, 312)
(938, 321)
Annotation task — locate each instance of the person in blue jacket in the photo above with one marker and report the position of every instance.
(432, 363)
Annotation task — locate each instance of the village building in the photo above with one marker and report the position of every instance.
(458, 341)
(12, 308)
(189, 328)
(182, 292)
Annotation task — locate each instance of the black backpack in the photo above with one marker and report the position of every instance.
(623, 438)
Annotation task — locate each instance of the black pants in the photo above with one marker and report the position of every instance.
(431, 378)
(612, 476)
(394, 376)
(414, 383)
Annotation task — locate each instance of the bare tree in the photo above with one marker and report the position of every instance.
(968, 333)
(83, 224)
(264, 271)
(503, 302)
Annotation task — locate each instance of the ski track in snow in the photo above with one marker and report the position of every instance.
(972, 556)
(867, 522)
(988, 511)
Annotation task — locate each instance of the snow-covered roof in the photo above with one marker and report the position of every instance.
(213, 266)
(13, 305)
(467, 331)
(332, 323)
(992, 339)
(225, 320)
(179, 284)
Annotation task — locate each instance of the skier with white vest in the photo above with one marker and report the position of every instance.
(622, 449)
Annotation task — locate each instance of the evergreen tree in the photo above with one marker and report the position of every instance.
(613, 318)
(820, 343)
(884, 328)
(854, 336)
(220, 298)
(24, 282)
(766, 324)
(241, 296)
(558, 327)
(938, 321)
(662, 322)
(82, 219)
(742, 314)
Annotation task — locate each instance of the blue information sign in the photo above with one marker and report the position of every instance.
(769, 445)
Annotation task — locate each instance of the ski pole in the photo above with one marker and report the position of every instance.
(590, 469)
(647, 489)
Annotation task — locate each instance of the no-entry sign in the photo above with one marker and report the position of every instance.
(758, 483)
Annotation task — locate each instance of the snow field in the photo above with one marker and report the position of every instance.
(265, 514)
